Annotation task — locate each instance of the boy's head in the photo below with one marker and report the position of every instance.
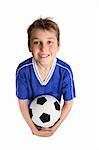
(44, 24)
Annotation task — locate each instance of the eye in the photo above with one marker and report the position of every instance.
(50, 42)
(36, 42)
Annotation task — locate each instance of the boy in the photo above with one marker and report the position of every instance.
(43, 73)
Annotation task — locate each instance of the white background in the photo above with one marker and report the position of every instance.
(78, 24)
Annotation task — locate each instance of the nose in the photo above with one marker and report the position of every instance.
(43, 47)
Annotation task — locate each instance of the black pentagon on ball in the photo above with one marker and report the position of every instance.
(57, 106)
(41, 100)
(45, 117)
(30, 112)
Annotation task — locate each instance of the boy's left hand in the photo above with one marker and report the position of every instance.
(51, 129)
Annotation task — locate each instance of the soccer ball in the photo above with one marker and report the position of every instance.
(45, 111)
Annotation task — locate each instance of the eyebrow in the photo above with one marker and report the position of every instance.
(35, 38)
(51, 38)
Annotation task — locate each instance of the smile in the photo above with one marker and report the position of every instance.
(44, 55)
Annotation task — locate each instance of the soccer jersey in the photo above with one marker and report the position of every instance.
(59, 81)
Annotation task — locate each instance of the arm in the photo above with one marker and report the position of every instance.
(25, 112)
(65, 111)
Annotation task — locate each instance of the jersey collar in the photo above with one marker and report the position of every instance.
(49, 74)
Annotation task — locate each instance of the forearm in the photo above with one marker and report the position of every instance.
(65, 111)
(25, 113)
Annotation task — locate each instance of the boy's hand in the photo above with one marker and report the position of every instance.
(43, 132)
(51, 129)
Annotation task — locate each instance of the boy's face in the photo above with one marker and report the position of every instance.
(44, 46)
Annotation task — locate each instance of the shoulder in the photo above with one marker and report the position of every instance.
(64, 68)
(63, 65)
(24, 64)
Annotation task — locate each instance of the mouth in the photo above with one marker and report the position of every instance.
(44, 56)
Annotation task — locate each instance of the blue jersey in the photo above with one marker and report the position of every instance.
(59, 82)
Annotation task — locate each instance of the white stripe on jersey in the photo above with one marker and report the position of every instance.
(69, 74)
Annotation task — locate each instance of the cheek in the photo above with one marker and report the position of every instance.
(54, 49)
(33, 49)
(53, 52)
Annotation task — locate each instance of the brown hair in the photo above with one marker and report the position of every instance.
(45, 24)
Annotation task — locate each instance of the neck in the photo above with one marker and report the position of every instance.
(45, 66)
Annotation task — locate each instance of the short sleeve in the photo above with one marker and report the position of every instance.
(21, 85)
(68, 87)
